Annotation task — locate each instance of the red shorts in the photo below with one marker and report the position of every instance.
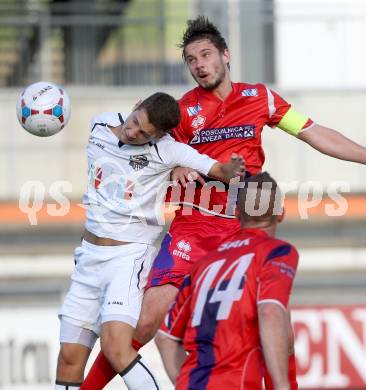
(190, 237)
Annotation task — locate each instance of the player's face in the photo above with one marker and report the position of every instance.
(207, 65)
(137, 130)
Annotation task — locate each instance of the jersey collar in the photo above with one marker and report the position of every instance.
(255, 232)
(211, 96)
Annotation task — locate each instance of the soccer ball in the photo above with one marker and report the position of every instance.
(43, 108)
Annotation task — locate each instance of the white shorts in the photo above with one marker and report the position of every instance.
(107, 284)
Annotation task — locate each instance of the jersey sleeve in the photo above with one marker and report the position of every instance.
(276, 274)
(107, 118)
(178, 133)
(176, 320)
(97, 120)
(177, 154)
(282, 115)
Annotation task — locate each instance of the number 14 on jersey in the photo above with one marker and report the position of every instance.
(226, 291)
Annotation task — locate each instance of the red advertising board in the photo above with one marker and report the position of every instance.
(330, 345)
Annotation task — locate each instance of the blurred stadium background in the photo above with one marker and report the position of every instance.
(109, 54)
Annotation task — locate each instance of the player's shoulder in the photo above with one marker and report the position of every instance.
(167, 148)
(234, 242)
(274, 247)
(251, 90)
(166, 145)
(165, 139)
(108, 118)
(189, 98)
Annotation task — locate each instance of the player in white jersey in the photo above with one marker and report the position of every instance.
(130, 159)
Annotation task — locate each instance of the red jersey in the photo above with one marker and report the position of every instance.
(215, 313)
(219, 128)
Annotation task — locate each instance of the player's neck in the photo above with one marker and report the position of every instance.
(224, 89)
(269, 229)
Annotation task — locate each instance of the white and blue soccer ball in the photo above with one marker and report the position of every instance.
(43, 108)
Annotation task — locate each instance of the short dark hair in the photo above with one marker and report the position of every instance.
(162, 111)
(202, 28)
(260, 199)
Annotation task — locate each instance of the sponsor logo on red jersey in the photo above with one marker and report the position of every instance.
(233, 244)
(194, 110)
(250, 92)
(198, 121)
(223, 133)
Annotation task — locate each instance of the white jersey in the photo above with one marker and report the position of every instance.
(127, 183)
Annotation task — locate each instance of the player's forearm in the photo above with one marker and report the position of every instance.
(225, 172)
(274, 339)
(334, 144)
(218, 171)
(172, 355)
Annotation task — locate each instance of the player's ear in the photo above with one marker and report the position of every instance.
(226, 56)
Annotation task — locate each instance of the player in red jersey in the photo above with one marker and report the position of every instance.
(218, 117)
(231, 310)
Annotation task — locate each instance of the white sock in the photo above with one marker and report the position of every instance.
(137, 376)
(60, 385)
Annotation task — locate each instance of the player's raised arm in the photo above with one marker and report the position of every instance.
(183, 175)
(222, 171)
(176, 154)
(227, 171)
(333, 143)
(321, 138)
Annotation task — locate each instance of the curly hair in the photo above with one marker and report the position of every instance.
(202, 28)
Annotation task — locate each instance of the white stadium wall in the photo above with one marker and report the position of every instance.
(319, 43)
(62, 157)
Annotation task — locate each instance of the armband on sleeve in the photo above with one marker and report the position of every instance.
(293, 122)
